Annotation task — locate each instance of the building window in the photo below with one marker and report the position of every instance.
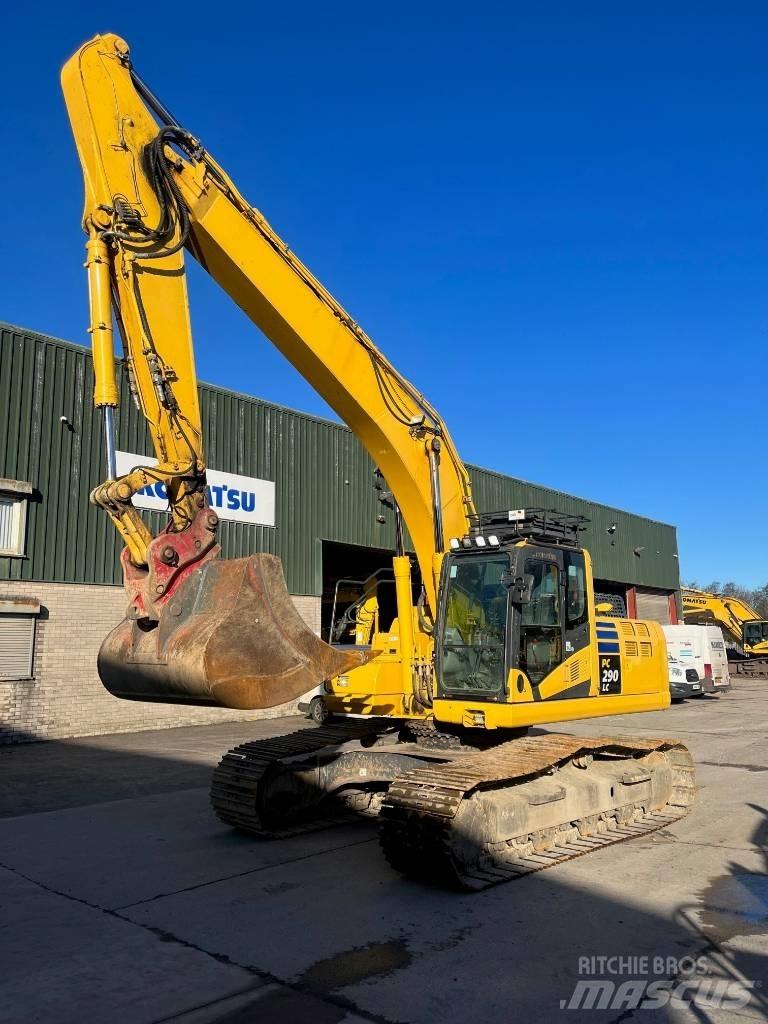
(14, 497)
(17, 636)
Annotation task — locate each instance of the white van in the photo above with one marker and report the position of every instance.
(702, 648)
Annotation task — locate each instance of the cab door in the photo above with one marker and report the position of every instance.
(540, 615)
(551, 624)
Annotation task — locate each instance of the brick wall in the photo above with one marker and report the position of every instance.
(66, 698)
(309, 610)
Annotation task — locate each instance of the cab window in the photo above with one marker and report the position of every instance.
(755, 632)
(544, 607)
(475, 624)
(540, 630)
(575, 590)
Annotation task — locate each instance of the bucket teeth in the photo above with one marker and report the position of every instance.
(230, 637)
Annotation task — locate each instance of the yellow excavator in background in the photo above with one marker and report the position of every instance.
(744, 632)
(503, 633)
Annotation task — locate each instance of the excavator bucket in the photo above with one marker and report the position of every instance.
(230, 637)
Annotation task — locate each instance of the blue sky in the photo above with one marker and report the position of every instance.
(552, 218)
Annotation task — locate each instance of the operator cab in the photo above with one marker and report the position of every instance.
(513, 595)
(755, 632)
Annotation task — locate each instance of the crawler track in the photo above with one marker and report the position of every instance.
(754, 667)
(474, 819)
(236, 788)
(428, 831)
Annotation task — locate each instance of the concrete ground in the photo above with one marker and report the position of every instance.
(124, 900)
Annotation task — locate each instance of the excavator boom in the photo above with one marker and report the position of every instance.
(198, 628)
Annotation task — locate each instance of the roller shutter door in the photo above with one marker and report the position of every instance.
(653, 605)
(17, 646)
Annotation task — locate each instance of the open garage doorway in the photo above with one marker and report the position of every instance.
(346, 568)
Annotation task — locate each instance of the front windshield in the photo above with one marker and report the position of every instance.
(755, 632)
(475, 624)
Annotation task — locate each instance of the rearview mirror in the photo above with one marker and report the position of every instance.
(604, 608)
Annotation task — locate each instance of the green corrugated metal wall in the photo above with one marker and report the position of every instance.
(322, 478)
(613, 554)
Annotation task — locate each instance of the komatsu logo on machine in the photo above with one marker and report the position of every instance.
(240, 499)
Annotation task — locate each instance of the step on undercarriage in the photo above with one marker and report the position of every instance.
(458, 817)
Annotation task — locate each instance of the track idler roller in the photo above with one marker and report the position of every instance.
(230, 636)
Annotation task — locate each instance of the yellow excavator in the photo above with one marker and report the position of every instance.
(496, 628)
(744, 632)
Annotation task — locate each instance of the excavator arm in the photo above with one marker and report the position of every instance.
(152, 194)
